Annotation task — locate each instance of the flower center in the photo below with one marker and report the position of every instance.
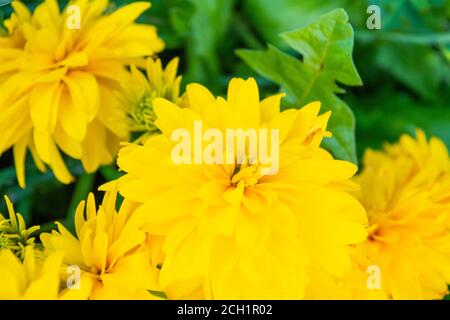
(142, 115)
(13, 242)
(246, 175)
(4, 241)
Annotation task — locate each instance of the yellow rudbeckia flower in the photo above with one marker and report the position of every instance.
(406, 191)
(58, 81)
(31, 279)
(139, 91)
(108, 250)
(228, 230)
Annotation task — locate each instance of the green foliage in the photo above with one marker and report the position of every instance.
(199, 28)
(405, 47)
(403, 63)
(208, 26)
(405, 115)
(3, 31)
(410, 30)
(272, 18)
(326, 46)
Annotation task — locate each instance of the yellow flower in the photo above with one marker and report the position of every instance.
(139, 91)
(11, 46)
(108, 252)
(13, 233)
(360, 282)
(406, 191)
(227, 230)
(30, 279)
(57, 83)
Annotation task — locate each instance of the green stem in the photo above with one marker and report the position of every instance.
(421, 39)
(246, 34)
(83, 187)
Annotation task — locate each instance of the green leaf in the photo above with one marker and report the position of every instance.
(207, 29)
(416, 66)
(446, 52)
(159, 294)
(4, 2)
(3, 31)
(270, 18)
(406, 114)
(326, 46)
(171, 18)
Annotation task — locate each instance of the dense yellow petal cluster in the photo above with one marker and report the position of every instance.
(109, 251)
(228, 231)
(30, 279)
(57, 81)
(406, 191)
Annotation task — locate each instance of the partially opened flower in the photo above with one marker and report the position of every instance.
(108, 250)
(32, 279)
(139, 91)
(14, 234)
(406, 191)
(58, 78)
(232, 229)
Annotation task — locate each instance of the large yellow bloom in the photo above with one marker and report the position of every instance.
(109, 251)
(406, 191)
(31, 279)
(57, 82)
(227, 230)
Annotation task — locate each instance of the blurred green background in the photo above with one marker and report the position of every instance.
(404, 67)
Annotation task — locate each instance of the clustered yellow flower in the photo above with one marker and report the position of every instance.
(57, 83)
(109, 250)
(30, 279)
(201, 230)
(245, 234)
(406, 191)
(215, 231)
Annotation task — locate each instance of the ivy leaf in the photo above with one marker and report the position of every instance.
(326, 47)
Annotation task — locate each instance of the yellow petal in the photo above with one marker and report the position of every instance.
(20, 149)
